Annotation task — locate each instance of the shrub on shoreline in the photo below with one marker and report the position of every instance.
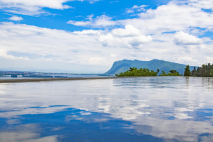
(138, 72)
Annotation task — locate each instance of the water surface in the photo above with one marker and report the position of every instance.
(157, 109)
(52, 75)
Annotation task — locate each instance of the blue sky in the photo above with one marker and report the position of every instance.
(57, 18)
(87, 36)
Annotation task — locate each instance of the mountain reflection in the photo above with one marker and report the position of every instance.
(131, 109)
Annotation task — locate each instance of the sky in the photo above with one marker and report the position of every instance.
(88, 36)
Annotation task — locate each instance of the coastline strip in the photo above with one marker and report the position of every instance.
(50, 79)
(68, 79)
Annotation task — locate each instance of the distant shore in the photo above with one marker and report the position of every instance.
(57, 79)
(50, 79)
(70, 79)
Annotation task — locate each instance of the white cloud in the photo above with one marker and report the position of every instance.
(3, 53)
(91, 1)
(32, 7)
(182, 38)
(94, 50)
(129, 37)
(113, 55)
(136, 8)
(51, 46)
(129, 31)
(205, 4)
(55, 4)
(171, 17)
(89, 32)
(79, 23)
(187, 60)
(165, 18)
(15, 18)
(209, 59)
(101, 21)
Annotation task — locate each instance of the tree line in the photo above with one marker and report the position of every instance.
(138, 72)
(204, 71)
(146, 72)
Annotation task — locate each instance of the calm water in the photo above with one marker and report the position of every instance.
(57, 76)
(153, 109)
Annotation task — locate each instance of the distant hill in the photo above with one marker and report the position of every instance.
(123, 65)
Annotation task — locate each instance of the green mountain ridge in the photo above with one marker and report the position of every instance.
(123, 65)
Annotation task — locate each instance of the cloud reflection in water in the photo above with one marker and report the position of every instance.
(169, 108)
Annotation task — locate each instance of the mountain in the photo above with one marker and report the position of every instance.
(123, 65)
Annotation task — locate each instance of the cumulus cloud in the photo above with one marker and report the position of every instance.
(32, 7)
(171, 17)
(182, 38)
(127, 37)
(205, 4)
(113, 55)
(15, 18)
(55, 4)
(89, 32)
(185, 59)
(100, 21)
(155, 33)
(4, 54)
(51, 46)
(181, 17)
(128, 31)
(96, 50)
(209, 59)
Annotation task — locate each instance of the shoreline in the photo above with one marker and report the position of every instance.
(68, 79)
(59, 79)
(50, 79)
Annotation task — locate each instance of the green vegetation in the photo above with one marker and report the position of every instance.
(204, 71)
(170, 73)
(138, 72)
(187, 71)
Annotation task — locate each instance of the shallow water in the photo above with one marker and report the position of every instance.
(113, 110)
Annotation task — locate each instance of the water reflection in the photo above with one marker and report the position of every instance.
(25, 133)
(131, 109)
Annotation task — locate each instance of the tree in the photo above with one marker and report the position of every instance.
(173, 71)
(194, 72)
(170, 73)
(163, 73)
(132, 68)
(187, 71)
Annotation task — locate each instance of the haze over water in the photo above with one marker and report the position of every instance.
(112, 110)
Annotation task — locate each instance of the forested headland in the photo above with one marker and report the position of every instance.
(166, 66)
